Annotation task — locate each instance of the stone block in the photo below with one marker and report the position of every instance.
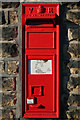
(74, 34)
(13, 17)
(74, 49)
(9, 33)
(13, 67)
(74, 64)
(8, 99)
(10, 4)
(8, 17)
(73, 114)
(2, 67)
(73, 100)
(8, 84)
(8, 114)
(73, 84)
(73, 17)
(8, 50)
(73, 5)
(75, 70)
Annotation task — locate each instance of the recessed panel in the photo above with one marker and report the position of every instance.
(41, 40)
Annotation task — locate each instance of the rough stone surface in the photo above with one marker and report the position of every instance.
(8, 84)
(7, 114)
(73, 5)
(74, 49)
(10, 4)
(13, 17)
(75, 70)
(9, 50)
(73, 100)
(74, 84)
(8, 100)
(74, 114)
(73, 17)
(74, 64)
(74, 33)
(70, 53)
(13, 67)
(2, 67)
(9, 33)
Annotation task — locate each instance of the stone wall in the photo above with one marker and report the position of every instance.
(70, 60)
(10, 61)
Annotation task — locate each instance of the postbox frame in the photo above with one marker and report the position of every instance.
(39, 52)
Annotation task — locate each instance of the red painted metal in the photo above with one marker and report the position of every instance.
(40, 40)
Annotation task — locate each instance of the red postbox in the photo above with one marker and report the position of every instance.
(40, 61)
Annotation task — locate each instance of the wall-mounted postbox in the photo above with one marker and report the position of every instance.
(40, 61)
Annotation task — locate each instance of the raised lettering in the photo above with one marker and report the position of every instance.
(30, 9)
(50, 10)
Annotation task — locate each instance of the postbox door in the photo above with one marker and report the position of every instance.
(40, 38)
(41, 84)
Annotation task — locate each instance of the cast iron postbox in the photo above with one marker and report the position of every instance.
(40, 61)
